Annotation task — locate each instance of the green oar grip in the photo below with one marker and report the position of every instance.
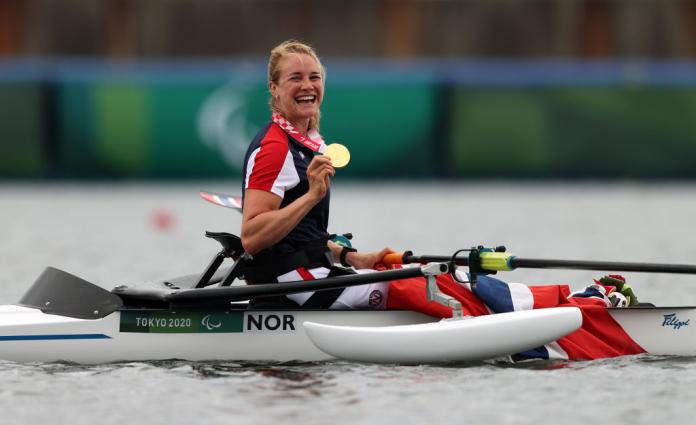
(496, 261)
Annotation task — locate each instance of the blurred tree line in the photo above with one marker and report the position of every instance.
(352, 28)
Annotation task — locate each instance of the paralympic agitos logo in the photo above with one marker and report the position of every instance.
(208, 325)
(673, 321)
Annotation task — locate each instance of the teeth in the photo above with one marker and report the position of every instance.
(305, 98)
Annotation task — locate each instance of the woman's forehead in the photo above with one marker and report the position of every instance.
(298, 62)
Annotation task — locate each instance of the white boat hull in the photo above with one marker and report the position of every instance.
(660, 331)
(28, 335)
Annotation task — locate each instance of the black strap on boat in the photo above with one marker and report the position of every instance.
(325, 299)
(267, 266)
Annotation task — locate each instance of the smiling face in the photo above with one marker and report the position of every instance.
(299, 89)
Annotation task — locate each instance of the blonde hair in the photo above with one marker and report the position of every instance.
(278, 52)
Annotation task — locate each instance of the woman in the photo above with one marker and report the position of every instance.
(286, 191)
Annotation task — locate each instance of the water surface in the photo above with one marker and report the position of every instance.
(115, 234)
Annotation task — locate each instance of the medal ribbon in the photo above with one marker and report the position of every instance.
(312, 140)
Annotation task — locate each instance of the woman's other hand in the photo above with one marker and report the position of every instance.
(367, 260)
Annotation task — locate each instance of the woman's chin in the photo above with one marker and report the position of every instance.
(302, 114)
(307, 111)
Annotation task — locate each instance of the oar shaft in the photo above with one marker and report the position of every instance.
(534, 263)
(528, 263)
(240, 293)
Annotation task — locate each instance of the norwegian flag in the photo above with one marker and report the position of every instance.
(600, 335)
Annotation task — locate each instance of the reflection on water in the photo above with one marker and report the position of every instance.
(255, 393)
(317, 373)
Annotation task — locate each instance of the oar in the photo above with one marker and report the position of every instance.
(504, 261)
(229, 201)
(496, 261)
(241, 293)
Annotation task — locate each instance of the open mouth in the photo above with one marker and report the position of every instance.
(306, 100)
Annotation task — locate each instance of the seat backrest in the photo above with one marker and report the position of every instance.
(232, 244)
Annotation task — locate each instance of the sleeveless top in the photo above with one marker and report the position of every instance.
(277, 163)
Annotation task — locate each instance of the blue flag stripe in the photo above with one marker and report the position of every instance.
(494, 293)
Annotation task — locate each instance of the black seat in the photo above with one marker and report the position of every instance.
(231, 248)
(158, 297)
(232, 244)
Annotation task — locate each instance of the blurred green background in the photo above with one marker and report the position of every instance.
(461, 89)
(165, 125)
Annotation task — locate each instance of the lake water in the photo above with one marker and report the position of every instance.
(129, 233)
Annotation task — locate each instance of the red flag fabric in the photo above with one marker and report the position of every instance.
(600, 335)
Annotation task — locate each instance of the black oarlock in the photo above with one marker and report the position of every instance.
(473, 254)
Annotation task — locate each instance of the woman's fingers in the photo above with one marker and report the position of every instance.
(368, 260)
(382, 253)
(319, 173)
(379, 257)
(320, 167)
(318, 161)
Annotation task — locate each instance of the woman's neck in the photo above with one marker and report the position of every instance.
(302, 125)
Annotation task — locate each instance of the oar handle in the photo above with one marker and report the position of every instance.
(397, 258)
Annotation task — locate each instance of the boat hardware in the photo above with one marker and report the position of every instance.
(231, 248)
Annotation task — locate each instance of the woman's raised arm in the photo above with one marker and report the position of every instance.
(264, 223)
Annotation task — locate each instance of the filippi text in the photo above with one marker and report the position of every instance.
(671, 320)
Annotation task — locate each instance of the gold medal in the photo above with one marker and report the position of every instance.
(340, 157)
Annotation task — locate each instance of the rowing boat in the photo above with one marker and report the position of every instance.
(207, 316)
(233, 332)
(65, 318)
